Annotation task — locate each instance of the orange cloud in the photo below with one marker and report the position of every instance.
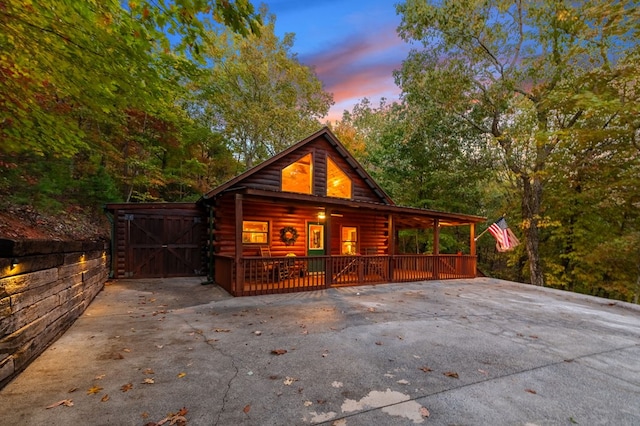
(360, 66)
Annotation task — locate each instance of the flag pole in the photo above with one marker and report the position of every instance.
(481, 234)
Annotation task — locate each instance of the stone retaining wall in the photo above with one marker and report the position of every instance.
(44, 287)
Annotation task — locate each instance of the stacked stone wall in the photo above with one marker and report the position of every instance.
(44, 287)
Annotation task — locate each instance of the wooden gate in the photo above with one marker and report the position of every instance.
(158, 240)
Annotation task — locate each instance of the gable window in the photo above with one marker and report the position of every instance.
(255, 232)
(348, 240)
(297, 177)
(338, 183)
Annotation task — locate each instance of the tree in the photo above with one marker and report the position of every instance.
(258, 95)
(420, 162)
(66, 62)
(528, 76)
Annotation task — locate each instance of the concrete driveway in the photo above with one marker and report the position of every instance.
(460, 352)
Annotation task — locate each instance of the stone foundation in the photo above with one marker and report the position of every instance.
(44, 287)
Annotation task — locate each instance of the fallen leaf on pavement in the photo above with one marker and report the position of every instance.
(485, 372)
(289, 380)
(94, 390)
(65, 402)
(451, 374)
(181, 375)
(100, 377)
(246, 408)
(148, 371)
(279, 351)
(379, 343)
(105, 398)
(178, 420)
(257, 332)
(308, 403)
(221, 330)
(531, 391)
(148, 382)
(403, 382)
(126, 387)
(424, 412)
(425, 369)
(72, 390)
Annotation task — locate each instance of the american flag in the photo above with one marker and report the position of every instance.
(505, 239)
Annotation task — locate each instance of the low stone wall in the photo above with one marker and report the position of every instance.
(44, 287)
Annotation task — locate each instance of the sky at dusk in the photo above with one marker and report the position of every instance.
(351, 44)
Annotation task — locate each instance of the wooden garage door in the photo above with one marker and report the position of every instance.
(164, 244)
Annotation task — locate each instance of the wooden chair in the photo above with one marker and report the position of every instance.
(274, 270)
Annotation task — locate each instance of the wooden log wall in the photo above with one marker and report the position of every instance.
(372, 231)
(224, 234)
(44, 287)
(270, 177)
(372, 228)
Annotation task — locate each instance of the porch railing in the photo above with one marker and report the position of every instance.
(260, 275)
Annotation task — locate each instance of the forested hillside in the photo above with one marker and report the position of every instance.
(528, 110)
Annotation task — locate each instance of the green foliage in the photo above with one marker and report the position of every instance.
(419, 160)
(544, 84)
(257, 95)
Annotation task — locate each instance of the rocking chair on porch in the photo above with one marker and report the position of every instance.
(273, 269)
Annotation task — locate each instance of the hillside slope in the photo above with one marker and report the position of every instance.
(24, 222)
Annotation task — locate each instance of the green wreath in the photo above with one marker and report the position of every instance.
(288, 235)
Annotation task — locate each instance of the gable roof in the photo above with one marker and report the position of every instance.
(329, 137)
(406, 217)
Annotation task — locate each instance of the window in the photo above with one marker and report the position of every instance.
(349, 240)
(297, 177)
(255, 232)
(338, 183)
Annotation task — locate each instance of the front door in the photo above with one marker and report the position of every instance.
(315, 246)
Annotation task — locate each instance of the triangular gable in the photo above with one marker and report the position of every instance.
(336, 151)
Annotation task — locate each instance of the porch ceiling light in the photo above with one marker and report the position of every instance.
(14, 262)
(321, 216)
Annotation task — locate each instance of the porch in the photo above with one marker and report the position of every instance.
(254, 275)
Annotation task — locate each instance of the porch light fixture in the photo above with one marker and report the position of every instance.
(322, 216)
(14, 262)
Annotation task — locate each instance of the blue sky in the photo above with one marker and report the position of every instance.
(351, 44)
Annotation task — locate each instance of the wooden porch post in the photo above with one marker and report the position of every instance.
(436, 236)
(328, 266)
(472, 249)
(472, 234)
(239, 278)
(436, 248)
(391, 245)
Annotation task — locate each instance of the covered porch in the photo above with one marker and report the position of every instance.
(284, 275)
(296, 244)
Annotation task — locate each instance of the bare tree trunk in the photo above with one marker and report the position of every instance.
(531, 201)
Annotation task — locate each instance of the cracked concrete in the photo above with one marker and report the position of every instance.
(478, 351)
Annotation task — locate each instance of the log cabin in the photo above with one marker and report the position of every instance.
(308, 218)
(312, 218)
